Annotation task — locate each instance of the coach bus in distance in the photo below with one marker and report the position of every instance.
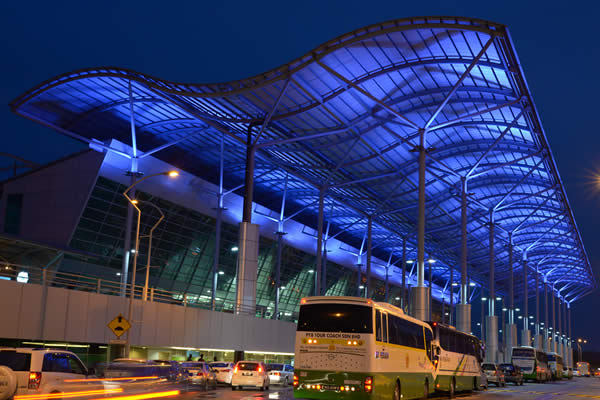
(457, 357)
(355, 348)
(555, 364)
(584, 369)
(533, 363)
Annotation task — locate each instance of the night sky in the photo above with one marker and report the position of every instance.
(203, 41)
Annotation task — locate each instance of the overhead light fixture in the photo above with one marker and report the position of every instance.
(505, 309)
(221, 273)
(484, 299)
(517, 309)
(173, 174)
(498, 298)
(397, 298)
(361, 287)
(520, 317)
(410, 261)
(454, 284)
(472, 284)
(118, 274)
(479, 324)
(235, 248)
(431, 261)
(311, 271)
(282, 287)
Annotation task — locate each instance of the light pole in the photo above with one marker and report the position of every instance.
(171, 174)
(149, 236)
(580, 342)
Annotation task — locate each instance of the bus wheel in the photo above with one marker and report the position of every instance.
(426, 390)
(397, 392)
(452, 388)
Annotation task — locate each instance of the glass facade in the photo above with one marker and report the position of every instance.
(183, 252)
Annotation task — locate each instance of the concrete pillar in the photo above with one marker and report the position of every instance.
(463, 309)
(420, 295)
(491, 353)
(525, 333)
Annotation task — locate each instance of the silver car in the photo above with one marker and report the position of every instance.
(282, 374)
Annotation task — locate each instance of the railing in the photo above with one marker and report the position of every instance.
(35, 275)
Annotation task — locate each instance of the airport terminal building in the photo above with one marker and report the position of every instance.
(404, 162)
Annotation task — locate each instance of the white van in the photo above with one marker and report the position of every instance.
(25, 371)
(250, 373)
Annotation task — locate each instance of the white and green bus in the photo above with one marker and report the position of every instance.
(555, 364)
(355, 348)
(457, 357)
(533, 363)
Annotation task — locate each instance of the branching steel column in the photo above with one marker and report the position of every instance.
(419, 296)
(249, 179)
(511, 329)
(319, 242)
(369, 251)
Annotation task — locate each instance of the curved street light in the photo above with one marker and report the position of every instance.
(149, 236)
(134, 203)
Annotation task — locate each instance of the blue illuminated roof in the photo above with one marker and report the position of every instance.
(346, 116)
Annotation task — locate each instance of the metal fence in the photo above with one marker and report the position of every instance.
(40, 276)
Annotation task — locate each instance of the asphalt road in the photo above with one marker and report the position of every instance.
(577, 388)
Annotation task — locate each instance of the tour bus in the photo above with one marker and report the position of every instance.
(555, 364)
(533, 363)
(355, 348)
(457, 357)
(583, 368)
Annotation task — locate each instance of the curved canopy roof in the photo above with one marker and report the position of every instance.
(346, 117)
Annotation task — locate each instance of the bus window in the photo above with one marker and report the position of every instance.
(384, 327)
(347, 318)
(378, 330)
(428, 338)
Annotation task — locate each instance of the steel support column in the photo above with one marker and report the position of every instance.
(511, 327)
(219, 217)
(570, 354)
(247, 265)
(319, 243)
(369, 252)
(463, 309)
(546, 320)
(553, 341)
(403, 290)
(491, 353)
(538, 337)
(451, 310)
(526, 333)
(419, 294)
(559, 330)
(430, 298)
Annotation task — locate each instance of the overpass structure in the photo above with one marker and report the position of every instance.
(415, 141)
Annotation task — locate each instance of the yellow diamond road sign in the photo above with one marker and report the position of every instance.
(119, 325)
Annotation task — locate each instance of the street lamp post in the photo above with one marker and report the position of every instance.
(149, 236)
(580, 342)
(134, 202)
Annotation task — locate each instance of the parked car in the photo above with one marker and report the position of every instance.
(282, 374)
(41, 371)
(250, 373)
(483, 382)
(199, 373)
(567, 373)
(493, 374)
(512, 373)
(224, 371)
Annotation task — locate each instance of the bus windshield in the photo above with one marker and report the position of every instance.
(551, 357)
(347, 318)
(523, 353)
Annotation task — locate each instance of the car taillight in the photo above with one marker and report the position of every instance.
(295, 380)
(275, 373)
(259, 369)
(369, 384)
(235, 370)
(34, 380)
